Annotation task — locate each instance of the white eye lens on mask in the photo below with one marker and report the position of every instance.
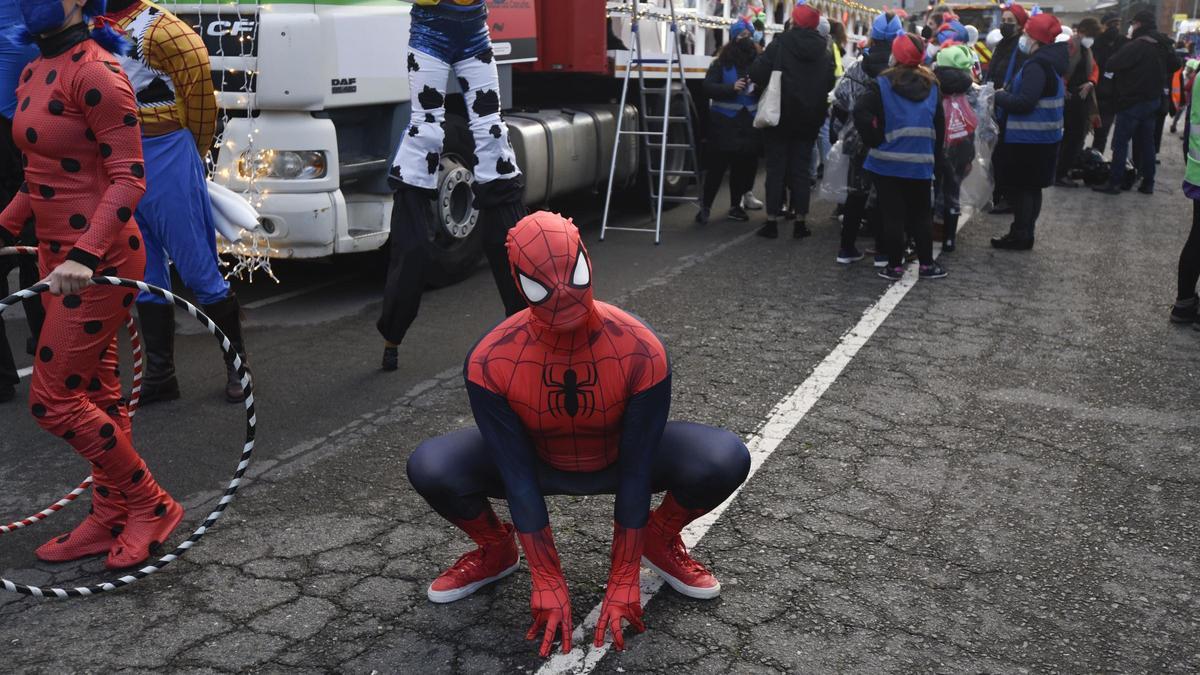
(534, 292)
(1087, 42)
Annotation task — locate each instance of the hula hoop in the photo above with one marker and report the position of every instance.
(135, 397)
(230, 489)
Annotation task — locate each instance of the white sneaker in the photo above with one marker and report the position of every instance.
(751, 203)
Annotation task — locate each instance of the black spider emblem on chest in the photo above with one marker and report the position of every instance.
(571, 391)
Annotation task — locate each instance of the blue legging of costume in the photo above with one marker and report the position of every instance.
(700, 465)
(176, 220)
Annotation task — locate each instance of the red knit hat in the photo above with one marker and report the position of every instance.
(907, 48)
(1019, 13)
(1044, 28)
(804, 16)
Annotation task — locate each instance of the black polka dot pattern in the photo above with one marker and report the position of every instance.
(127, 300)
(76, 56)
(55, 247)
(93, 327)
(72, 301)
(51, 76)
(92, 97)
(46, 191)
(69, 435)
(137, 476)
(56, 107)
(94, 385)
(109, 444)
(90, 135)
(137, 170)
(31, 135)
(28, 74)
(70, 165)
(135, 243)
(124, 214)
(38, 410)
(130, 120)
(46, 354)
(107, 430)
(105, 150)
(78, 221)
(74, 381)
(25, 104)
(101, 490)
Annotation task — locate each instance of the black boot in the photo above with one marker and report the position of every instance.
(158, 341)
(227, 314)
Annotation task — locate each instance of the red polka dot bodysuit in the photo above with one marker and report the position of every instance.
(77, 127)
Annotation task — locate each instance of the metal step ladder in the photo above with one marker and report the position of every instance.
(666, 114)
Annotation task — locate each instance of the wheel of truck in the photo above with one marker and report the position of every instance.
(677, 158)
(455, 242)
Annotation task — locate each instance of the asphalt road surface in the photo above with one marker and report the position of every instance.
(995, 472)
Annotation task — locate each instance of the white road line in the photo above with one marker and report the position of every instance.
(258, 304)
(785, 416)
(25, 372)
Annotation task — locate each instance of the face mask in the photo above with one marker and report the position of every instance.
(42, 16)
(891, 62)
(1129, 33)
(1008, 30)
(1087, 42)
(1025, 44)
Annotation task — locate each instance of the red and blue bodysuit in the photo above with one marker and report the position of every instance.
(571, 396)
(77, 128)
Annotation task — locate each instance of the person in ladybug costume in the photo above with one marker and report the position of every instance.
(77, 128)
(570, 396)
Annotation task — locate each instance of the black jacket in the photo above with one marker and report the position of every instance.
(807, 65)
(869, 112)
(1141, 71)
(729, 134)
(1004, 52)
(1109, 42)
(875, 61)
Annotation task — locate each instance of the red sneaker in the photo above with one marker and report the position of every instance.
(670, 560)
(477, 569)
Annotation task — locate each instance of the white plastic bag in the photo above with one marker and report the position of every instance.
(770, 105)
(835, 182)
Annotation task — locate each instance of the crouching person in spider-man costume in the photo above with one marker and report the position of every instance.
(570, 396)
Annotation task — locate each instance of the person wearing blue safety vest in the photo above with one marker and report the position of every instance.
(900, 119)
(1030, 111)
(733, 143)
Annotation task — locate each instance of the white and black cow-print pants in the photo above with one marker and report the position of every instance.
(416, 162)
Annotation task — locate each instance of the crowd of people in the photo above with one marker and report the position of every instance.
(914, 113)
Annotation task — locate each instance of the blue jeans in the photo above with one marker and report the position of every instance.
(1135, 123)
(450, 35)
(176, 220)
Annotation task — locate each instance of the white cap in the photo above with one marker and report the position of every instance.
(972, 34)
(1064, 35)
(993, 38)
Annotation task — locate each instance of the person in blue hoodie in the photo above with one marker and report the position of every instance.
(1030, 111)
(13, 58)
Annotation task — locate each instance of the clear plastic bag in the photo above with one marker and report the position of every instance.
(835, 182)
(979, 183)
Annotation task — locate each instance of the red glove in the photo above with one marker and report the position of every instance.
(550, 604)
(623, 598)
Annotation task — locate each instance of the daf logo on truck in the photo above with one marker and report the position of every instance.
(240, 27)
(344, 85)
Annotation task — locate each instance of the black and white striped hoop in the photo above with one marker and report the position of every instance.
(135, 396)
(231, 488)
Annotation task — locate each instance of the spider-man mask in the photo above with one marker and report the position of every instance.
(552, 270)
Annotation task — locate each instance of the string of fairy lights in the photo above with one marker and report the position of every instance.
(252, 252)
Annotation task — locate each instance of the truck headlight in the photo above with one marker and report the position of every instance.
(285, 164)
